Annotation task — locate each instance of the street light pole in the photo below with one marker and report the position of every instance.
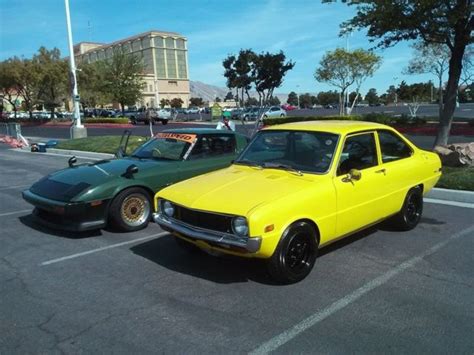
(298, 95)
(77, 129)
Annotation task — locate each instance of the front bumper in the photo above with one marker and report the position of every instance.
(70, 216)
(222, 240)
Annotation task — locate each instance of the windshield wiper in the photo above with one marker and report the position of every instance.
(283, 167)
(248, 162)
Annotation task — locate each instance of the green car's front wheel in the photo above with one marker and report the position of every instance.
(130, 210)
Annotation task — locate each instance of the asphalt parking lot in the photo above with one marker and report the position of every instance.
(104, 292)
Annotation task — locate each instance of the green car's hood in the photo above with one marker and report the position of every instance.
(64, 185)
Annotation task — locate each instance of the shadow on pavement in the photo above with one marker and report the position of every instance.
(30, 221)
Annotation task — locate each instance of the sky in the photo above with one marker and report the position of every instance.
(304, 29)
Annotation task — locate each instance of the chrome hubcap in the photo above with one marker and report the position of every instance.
(135, 210)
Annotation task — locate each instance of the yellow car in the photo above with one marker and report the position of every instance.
(298, 187)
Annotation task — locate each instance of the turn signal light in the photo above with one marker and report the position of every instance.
(269, 228)
(96, 203)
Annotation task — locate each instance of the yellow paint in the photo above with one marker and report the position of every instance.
(279, 198)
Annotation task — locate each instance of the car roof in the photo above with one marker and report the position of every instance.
(332, 126)
(199, 131)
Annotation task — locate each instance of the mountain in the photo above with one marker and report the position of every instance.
(210, 92)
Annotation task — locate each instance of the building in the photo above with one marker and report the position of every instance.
(165, 60)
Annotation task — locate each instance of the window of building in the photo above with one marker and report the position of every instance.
(126, 47)
(158, 41)
(150, 88)
(160, 63)
(169, 42)
(136, 45)
(182, 68)
(171, 63)
(147, 60)
(359, 153)
(180, 43)
(393, 147)
(145, 42)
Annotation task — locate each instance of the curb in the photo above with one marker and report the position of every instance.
(80, 153)
(451, 195)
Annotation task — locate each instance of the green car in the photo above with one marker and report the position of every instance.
(119, 192)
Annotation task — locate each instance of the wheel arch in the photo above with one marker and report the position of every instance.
(311, 223)
(123, 188)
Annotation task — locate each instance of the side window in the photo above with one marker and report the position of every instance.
(393, 147)
(215, 145)
(359, 153)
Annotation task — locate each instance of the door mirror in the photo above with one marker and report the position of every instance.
(353, 175)
(131, 170)
(72, 160)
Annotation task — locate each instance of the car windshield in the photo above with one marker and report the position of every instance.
(291, 150)
(165, 146)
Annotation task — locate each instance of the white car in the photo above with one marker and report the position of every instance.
(192, 110)
(274, 111)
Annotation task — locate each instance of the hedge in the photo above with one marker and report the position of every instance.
(122, 120)
(370, 117)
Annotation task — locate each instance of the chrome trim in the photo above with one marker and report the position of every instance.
(252, 245)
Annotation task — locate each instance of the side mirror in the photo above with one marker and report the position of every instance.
(72, 160)
(131, 170)
(353, 175)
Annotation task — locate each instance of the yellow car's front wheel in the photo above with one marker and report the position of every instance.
(295, 255)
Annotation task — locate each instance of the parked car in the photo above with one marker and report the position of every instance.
(251, 113)
(119, 192)
(192, 110)
(156, 115)
(274, 111)
(298, 187)
(288, 107)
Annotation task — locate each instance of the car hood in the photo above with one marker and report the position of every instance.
(64, 185)
(236, 190)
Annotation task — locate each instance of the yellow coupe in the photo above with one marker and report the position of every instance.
(298, 187)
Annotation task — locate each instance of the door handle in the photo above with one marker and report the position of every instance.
(381, 171)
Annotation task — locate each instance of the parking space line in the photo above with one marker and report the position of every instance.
(15, 212)
(317, 317)
(449, 203)
(13, 187)
(73, 256)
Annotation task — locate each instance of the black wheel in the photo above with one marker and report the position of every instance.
(412, 209)
(164, 122)
(130, 210)
(133, 121)
(295, 255)
(186, 246)
(282, 115)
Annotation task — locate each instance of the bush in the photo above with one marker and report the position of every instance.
(378, 118)
(289, 119)
(405, 120)
(122, 120)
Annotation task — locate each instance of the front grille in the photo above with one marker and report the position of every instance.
(205, 220)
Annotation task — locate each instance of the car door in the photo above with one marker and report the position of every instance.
(359, 201)
(398, 165)
(211, 152)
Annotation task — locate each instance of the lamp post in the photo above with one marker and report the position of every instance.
(298, 96)
(77, 129)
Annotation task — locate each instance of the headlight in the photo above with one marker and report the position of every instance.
(168, 208)
(240, 226)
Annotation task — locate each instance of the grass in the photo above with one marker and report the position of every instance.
(457, 178)
(101, 144)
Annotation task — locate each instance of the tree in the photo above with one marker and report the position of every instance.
(252, 101)
(229, 96)
(328, 97)
(292, 98)
(164, 103)
(268, 71)
(343, 68)
(196, 101)
(8, 83)
(53, 78)
(448, 22)
(305, 101)
(218, 99)
(90, 80)
(176, 102)
(123, 78)
(28, 79)
(274, 101)
(314, 100)
(372, 98)
(430, 58)
(238, 71)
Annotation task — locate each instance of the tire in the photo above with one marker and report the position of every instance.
(295, 255)
(412, 209)
(130, 210)
(164, 122)
(282, 115)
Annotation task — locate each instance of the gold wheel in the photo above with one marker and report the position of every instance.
(135, 210)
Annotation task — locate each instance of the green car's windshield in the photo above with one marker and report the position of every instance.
(291, 150)
(166, 146)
